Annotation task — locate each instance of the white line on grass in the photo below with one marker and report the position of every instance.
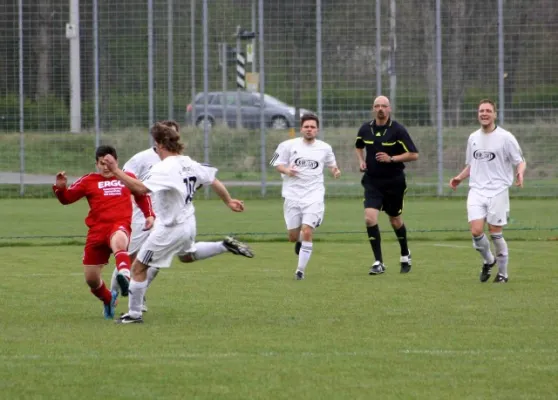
(176, 356)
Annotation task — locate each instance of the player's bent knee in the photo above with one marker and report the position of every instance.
(138, 268)
(396, 222)
(119, 241)
(294, 234)
(307, 233)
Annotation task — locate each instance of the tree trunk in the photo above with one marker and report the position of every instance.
(513, 37)
(43, 45)
(428, 16)
(459, 17)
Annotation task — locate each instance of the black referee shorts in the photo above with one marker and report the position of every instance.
(385, 194)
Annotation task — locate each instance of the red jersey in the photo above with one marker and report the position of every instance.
(109, 200)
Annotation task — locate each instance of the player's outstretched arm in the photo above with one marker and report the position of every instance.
(456, 180)
(67, 195)
(136, 186)
(223, 193)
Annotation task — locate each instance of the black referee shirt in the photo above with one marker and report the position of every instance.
(392, 139)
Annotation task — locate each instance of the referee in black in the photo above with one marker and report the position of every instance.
(382, 147)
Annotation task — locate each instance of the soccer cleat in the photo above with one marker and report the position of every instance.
(109, 308)
(299, 275)
(127, 319)
(377, 268)
(298, 245)
(485, 272)
(237, 247)
(405, 263)
(123, 280)
(500, 279)
(144, 305)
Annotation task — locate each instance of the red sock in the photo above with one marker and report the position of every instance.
(102, 293)
(122, 260)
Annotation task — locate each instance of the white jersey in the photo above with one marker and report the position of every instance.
(140, 165)
(492, 158)
(309, 160)
(173, 182)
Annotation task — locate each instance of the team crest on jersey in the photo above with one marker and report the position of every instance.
(302, 162)
(111, 188)
(484, 155)
(110, 184)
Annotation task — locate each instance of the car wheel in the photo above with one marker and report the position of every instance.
(279, 123)
(199, 122)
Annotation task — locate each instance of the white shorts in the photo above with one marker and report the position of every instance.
(494, 209)
(165, 242)
(138, 237)
(296, 214)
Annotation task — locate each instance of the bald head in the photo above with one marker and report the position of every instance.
(381, 110)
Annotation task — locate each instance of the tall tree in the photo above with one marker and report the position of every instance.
(516, 19)
(427, 11)
(460, 15)
(43, 45)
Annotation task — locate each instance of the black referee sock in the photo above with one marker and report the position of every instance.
(375, 241)
(401, 234)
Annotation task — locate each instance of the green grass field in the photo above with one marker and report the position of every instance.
(237, 328)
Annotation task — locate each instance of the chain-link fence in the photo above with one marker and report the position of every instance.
(74, 74)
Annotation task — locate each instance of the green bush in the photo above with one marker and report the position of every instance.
(48, 113)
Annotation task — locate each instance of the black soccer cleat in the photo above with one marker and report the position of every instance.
(298, 245)
(485, 272)
(405, 263)
(500, 279)
(299, 275)
(124, 283)
(127, 319)
(237, 247)
(377, 268)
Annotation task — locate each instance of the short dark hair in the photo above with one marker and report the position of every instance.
(309, 117)
(104, 150)
(488, 101)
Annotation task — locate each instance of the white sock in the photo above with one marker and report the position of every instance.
(113, 282)
(137, 292)
(209, 249)
(304, 255)
(151, 274)
(482, 245)
(501, 248)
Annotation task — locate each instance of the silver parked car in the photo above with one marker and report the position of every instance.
(277, 114)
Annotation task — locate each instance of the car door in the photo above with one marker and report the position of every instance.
(250, 110)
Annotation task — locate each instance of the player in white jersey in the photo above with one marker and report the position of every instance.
(492, 154)
(173, 183)
(301, 162)
(140, 165)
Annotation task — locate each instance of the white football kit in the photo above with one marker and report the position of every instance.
(492, 158)
(304, 193)
(140, 165)
(173, 183)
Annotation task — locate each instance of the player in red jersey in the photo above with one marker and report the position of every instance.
(109, 220)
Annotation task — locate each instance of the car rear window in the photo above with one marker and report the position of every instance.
(200, 98)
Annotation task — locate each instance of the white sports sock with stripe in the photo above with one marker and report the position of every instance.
(304, 255)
